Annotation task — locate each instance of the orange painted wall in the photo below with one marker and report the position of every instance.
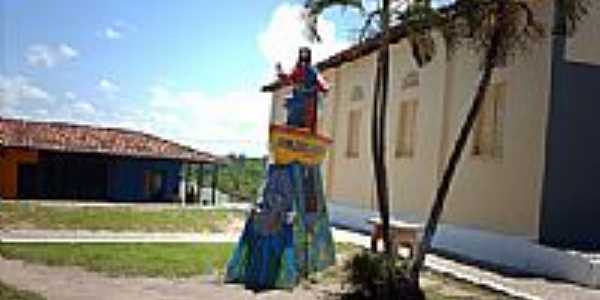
(9, 162)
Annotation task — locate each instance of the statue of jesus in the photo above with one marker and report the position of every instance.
(308, 87)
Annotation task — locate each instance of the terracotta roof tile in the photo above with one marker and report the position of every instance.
(64, 137)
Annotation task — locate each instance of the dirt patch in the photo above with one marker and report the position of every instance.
(68, 283)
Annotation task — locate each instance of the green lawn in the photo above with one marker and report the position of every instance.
(31, 216)
(11, 293)
(154, 260)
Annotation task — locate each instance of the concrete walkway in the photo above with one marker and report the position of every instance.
(242, 206)
(87, 236)
(526, 288)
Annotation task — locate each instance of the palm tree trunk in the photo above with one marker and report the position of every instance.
(442, 192)
(376, 150)
(383, 179)
(378, 125)
(375, 132)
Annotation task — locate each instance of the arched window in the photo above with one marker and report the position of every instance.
(357, 93)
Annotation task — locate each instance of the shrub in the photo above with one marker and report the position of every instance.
(377, 276)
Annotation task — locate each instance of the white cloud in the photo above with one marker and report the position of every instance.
(117, 30)
(34, 92)
(108, 87)
(112, 33)
(15, 90)
(67, 51)
(84, 108)
(234, 122)
(48, 56)
(280, 41)
(70, 95)
(41, 112)
(40, 56)
(371, 5)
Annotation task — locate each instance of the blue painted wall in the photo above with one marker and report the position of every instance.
(102, 177)
(126, 178)
(72, 176)
(570, 215)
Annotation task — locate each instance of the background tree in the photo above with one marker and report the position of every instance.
(241, 178)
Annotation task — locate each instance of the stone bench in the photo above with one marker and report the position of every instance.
(401, 234)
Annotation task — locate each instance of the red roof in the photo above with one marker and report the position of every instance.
(64, 137)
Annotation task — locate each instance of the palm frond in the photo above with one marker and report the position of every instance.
(420, 19)
(571, 12)
(314, 8)
(473, 22)
(463, 22)
(370, 20)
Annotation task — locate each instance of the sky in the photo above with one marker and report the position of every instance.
(185, 70)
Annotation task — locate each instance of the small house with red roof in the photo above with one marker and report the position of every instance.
(51, 160)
